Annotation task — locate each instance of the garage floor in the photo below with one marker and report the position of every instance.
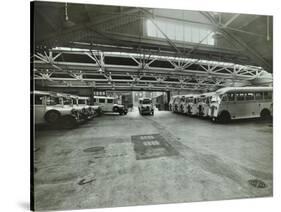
(166, 158)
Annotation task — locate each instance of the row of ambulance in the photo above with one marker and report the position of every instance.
(62, 109)
(227, 103)
(68, 110)
(191, 104)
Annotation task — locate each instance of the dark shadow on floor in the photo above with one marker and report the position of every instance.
(49, 127)
(249, 121)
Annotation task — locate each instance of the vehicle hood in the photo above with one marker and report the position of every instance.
(146, 105)
(81, 106)
(118, 105)
(59, 108)
(96, 106)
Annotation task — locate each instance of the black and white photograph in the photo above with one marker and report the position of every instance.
(144, 106)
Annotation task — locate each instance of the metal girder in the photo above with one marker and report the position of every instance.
(250, 49)
(229, 21)
(126, 86)
(237, 40)
(246, 32)
(249, 21)
(182, 75)
(223, 72)
(117, 41)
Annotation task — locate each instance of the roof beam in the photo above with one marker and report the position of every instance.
(244, 45)
(48, 20)
(249, 21)
(209, 67)
(235, 16)
(78, 28)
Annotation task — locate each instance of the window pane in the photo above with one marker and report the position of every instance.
(249, 96)
(146, 101)
(207, 100)
(68, 101)
(179, 31)
(211, 40)
(170, 30)
(81, 101)
(53, 100)
(240, 96)
(161, 25)
(38, 100)
(258, 96)
(224, 98)
(151, 29)
(101, 100)
(203, 38)
(267, 95)
(187, 34)
(110, 101)
(231, 96)
(195, 35)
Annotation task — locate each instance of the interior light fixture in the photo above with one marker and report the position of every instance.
(67, 23)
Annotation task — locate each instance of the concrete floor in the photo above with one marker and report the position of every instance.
(96, 166)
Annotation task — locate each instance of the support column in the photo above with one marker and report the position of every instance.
(168, 99)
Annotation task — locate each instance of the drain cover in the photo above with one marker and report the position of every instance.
(151, 146)
(96, 149)
(257, 183)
